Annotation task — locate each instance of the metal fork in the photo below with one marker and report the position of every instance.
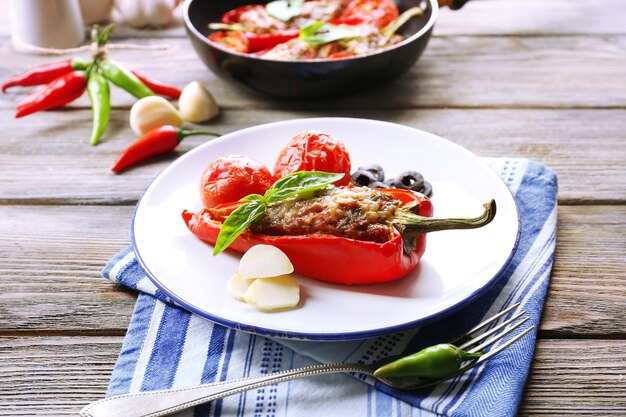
(168, 401)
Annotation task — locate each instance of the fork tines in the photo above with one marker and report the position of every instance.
(478, 343)
(498, 332)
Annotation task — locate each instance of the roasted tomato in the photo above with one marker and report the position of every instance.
(230, 178)
(378, 12)
(313, 151)
(236, 41)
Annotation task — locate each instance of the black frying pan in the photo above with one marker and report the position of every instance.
(312, 78)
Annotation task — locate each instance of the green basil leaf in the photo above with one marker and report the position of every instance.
(284, 10)
(290, 185)
(254, 197)
(236, 223)
(320, 33)
(300, 182)
(310, 29)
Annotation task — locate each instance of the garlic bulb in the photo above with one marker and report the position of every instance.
(142, 13)
(152, 112)
(196, 104)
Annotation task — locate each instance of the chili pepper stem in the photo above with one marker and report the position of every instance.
(93, 65)
(466, 356)
(420, 224)
(182, 134)
(411, 225)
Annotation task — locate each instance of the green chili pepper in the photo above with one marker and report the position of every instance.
(99, 94)
(123, 78)
(433, 362)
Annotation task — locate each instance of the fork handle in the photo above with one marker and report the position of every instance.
(168, 401)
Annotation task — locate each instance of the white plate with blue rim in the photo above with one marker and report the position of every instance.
(457, 268)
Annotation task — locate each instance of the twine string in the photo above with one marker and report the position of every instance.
(93, 48)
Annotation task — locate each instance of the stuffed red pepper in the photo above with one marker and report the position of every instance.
(346, 235)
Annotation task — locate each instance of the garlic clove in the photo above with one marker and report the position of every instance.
(274, 294)
(144, 13)
(238, 286)
(196, 103)
(152, 112)
(262, 261)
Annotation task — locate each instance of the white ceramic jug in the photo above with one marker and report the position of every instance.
(46, 23)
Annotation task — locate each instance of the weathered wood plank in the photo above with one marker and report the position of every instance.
(42, 158)
(51, 258)
(575, 378)
(59, 375)
(590, 270)
(54, 376)
(50, 263)
(564, 71)
(533, 17)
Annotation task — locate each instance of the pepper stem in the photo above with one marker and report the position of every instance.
(411, 225)
(466, 356)
(93, 66)
(100, 37)
(182, 134)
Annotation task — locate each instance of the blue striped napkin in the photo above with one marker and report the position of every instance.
(167, 346)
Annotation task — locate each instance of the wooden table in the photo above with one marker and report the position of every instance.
(526, 78)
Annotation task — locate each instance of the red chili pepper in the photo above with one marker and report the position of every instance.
(325, 257)
(352, 21)
(155, 142)
(45, 74)
(58, 93)
(157, 87)
(248, 42)
(262, 41)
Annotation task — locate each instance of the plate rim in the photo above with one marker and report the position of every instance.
(307, 336)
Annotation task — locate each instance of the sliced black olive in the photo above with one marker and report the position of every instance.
(362, 178)
(373, 176)
(411, 180)
(393, 183)
(427, 189)
(377, 170)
